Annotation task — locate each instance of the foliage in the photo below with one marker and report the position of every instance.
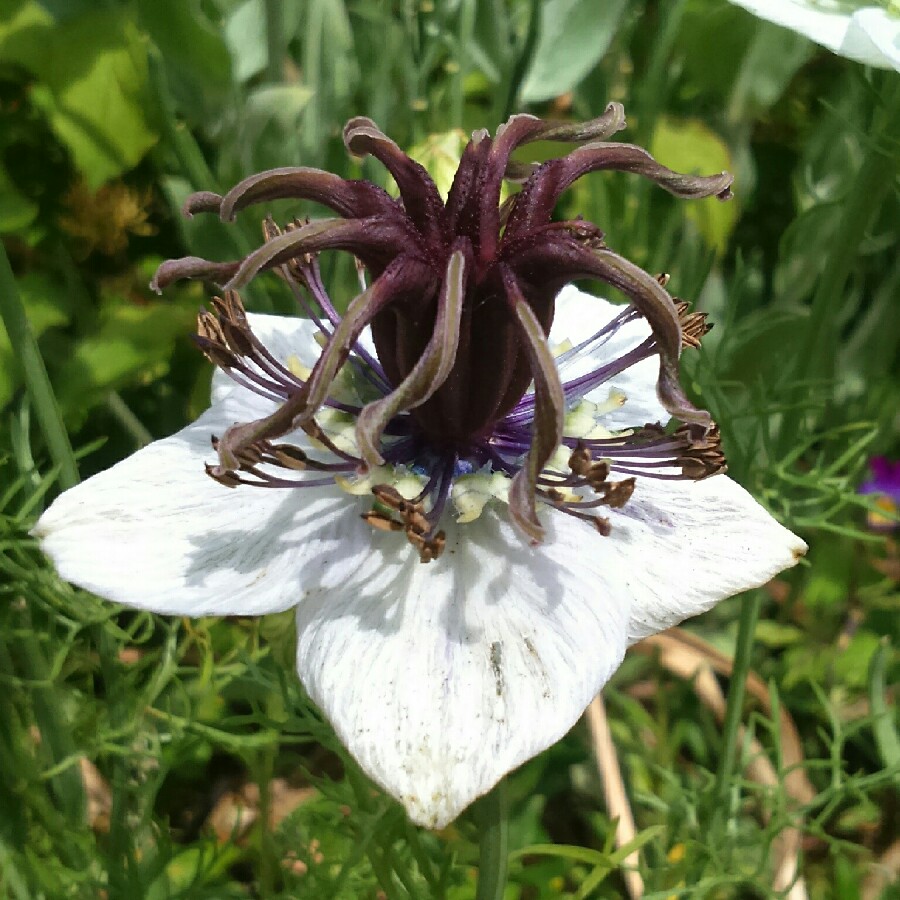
(112, 113)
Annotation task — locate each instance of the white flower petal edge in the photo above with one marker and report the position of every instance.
(870, 35)
(156, 533)
(685, 545)
(442, 678)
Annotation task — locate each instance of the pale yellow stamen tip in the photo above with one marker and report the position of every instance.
(471, 493)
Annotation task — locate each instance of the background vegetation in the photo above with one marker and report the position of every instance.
(158, 758)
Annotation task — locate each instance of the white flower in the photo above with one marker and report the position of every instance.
(439, 678)
(868, 33)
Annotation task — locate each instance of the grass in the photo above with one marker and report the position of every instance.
(153, 757)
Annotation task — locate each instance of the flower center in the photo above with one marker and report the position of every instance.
(463, 382)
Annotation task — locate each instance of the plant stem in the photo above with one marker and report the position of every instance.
(493, 845)
(36, 379)
(133, 426)
(733, 713)
(275, 40)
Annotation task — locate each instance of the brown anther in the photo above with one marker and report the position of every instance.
(231, 307)
(580, 460)
(598, 473)
(211, 341)
(381, 522)
(249, 456)
(390, 497)
(237, 337)
(602, 525)
(270, 229)
(224, 476)
(704, 457)
(618, 493)
(663, 279)
(693, 325)
(557, 496)
(429, 549)
(289, 456)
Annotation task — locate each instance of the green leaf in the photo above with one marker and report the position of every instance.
(245, 33)
(132, 344)
(573, 36)
(16, 210)
(851, 665)
(190, 46)
(92, 80)
(689, 146)
(775, 634)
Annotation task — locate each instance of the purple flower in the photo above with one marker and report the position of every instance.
(885, 485)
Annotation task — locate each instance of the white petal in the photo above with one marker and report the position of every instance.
(441, 678)
(873, 35)
(157, 533)
(869, 35)
(578, 316)
(683, 546)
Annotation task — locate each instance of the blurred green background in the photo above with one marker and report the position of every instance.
(111, 113)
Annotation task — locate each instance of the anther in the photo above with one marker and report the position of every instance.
(693, 325)
(225, 477)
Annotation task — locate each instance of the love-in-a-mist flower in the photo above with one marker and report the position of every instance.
(468, 485)
(866, 32)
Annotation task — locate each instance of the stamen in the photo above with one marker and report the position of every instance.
(549, 410)
(693, 325)
(418, 525)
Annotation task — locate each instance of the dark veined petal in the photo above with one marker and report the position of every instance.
(517, 131)
(298, 411)
(538, 198)
(195, 267)
(372, 240)
(566, 257)
(428, 374)
(420, 195)
(349, 199)
(549, 410)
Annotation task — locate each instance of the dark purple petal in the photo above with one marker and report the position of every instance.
(547, 426)
(373, 240)
(540, 194)
(420, 195)
(428, 374)
(192, 267)
(349, 199)
(565, 257)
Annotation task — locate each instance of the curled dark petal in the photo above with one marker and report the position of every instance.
(570, 260)
(349, 199)
(523, 129)
(428, 374)
(599, 129)
(463, 199)
(371, 239)
(420, 195)
(202, 201)
(402, 277)
(192, 267)
(547, 427)
(541, 192)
